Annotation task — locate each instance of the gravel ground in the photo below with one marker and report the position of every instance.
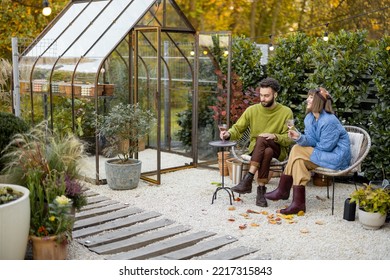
(185, 197)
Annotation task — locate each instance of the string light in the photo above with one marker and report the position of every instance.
(270, 46)
(335, 21)
(326, 37)
(46, 11)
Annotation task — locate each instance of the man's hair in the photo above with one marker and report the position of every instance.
(271, 83)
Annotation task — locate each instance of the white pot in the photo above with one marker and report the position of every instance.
(371, 220)
(15, 225)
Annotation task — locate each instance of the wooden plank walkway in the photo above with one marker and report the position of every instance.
(118, 231)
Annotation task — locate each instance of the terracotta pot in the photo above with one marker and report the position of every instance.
(47, 248)
(225, 170)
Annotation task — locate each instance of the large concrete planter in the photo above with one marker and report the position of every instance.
(15, 225)
(123, 176)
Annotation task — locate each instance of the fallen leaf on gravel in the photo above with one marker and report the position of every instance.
(218, 184)
(270, 216)
(291, 221)
(320, 198)
(244, 215)
(304, 230)
(237, 199)
(254, 225)
(301, 213)
(287, 217)
(242, 226)
(319, 222)
(278, 219)
(231, 208)
(264, 212)
(231, 219)
(274, 222)
(252, 211)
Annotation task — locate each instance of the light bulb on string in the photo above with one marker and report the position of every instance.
(270, 45)
(326, 35)
(46, 11)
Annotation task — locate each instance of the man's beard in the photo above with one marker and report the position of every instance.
(269, 103)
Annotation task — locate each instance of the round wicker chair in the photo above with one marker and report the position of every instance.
(360, 146)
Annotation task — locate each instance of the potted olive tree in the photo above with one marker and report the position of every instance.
(123, 127)
(373, 205)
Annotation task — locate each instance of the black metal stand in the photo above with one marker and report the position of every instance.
(223, 145)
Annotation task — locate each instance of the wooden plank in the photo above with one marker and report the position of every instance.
(95, 199)
(119, 223)
(90, 193)
(162, 247)
(100, 211)
(199, 248)
(105, 217)
(98, 205)
(231, 254)
(139, 241)
(124, 233)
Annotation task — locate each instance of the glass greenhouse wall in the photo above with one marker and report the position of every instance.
(96, 54)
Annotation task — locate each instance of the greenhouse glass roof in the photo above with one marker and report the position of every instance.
(86, 32)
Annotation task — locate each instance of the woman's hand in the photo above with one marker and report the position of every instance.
(293, 134)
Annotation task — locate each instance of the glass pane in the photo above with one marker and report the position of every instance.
(63, 33)
(212, 90)
(112, 25)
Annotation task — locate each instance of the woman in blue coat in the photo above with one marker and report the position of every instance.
(325, 143)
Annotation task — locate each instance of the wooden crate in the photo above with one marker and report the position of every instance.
(68, 90)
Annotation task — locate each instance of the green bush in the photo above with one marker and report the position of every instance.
(342, 65)
(377, 163)
(9, 125)
(289, 64)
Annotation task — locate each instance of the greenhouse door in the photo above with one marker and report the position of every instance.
(146, 90)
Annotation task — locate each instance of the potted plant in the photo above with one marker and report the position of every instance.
(51, 218)
(14, 221)
(46, 163)
(373, 205)
(123, 127)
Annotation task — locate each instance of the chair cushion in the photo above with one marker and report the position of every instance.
(356, 140)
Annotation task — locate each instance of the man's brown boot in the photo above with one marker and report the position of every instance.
(245, 186)
(260, 199)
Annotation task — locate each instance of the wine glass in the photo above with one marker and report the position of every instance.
(290, 124)
(222, 127)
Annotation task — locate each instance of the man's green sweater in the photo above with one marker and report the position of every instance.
(264, 120)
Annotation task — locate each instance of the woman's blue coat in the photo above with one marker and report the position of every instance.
(329, 139)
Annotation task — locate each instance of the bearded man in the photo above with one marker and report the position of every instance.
(268, 137)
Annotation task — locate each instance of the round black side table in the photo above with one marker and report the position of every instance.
(222, 145)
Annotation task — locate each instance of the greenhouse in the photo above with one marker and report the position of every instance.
(96, 54)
